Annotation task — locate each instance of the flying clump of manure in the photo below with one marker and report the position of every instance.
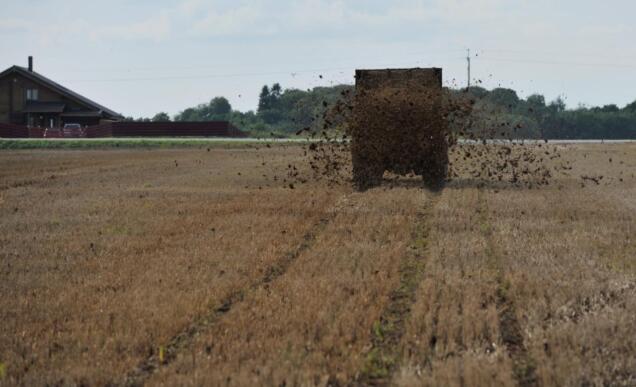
(398, 123)
(393, 122)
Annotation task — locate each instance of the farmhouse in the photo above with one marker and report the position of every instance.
(30, 102)
(30, 99)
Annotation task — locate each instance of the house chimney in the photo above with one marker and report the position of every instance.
(30, 64)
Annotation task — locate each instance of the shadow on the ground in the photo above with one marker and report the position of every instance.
(458, 183)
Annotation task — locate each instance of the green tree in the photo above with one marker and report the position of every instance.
(557, 106)
(276, 92)
(536, 101)
(220, 106)
(161, 117)
(289, 110)
(630, 108)
(264, 99)
(268, 106)
(611, 108)
(478, 92)
(189, 114)
(505, 97)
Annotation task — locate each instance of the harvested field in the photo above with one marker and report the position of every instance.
(192, 267)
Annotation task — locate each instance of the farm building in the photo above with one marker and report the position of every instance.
(31, 103)
(31, 99)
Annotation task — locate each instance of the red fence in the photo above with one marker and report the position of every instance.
(103, 130)
(36, 132)
(14, 131)
(138, 129)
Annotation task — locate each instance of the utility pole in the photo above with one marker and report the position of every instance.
(468, 60)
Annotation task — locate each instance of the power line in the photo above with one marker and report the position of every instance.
(564, 63)
(207, 76)
(429, 53)
(228, 75)
(350, 68)
(552, 53)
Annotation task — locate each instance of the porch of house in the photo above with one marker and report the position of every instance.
(53, 115)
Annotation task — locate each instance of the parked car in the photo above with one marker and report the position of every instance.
(52, 133)
(73, 130)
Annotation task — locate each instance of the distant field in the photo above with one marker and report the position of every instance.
(189, 267)
(190, 142)
(146, 142)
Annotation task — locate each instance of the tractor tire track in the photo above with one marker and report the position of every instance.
(386, 334)
(511, 334)
(429, 352)
(168, 353)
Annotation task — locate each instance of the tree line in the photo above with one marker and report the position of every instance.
(536, 118)
(283, 112)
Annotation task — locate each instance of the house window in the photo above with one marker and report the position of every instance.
(32, 94)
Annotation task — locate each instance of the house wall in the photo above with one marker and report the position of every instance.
(4, 100)
(84, 121)
(20, 86)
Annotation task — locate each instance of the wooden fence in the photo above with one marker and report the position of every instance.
(14, 131)
(138, 129)
(96, 131)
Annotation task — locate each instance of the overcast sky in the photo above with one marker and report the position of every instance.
(146, 56)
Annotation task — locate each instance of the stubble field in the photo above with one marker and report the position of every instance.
(193, 267)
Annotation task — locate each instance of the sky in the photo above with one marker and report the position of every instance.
(145, 56)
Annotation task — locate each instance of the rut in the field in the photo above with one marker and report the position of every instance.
(384, 356)
(184, 339)
(524, 366)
